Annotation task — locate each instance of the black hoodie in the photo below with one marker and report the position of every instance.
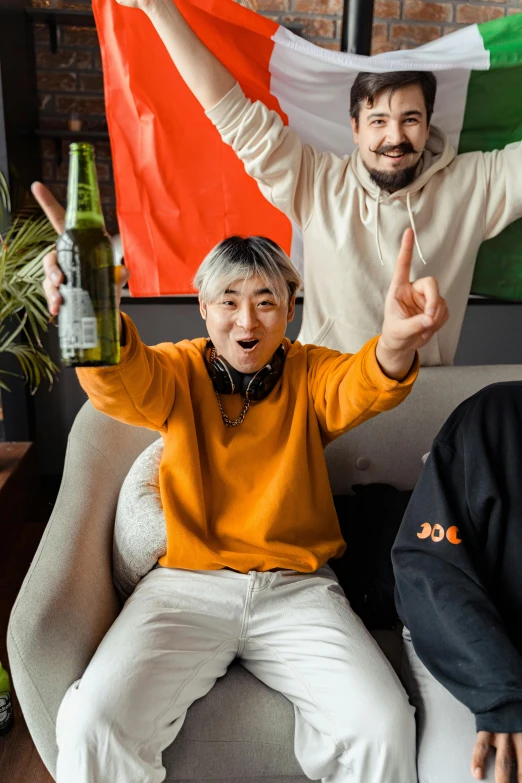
(458, 558)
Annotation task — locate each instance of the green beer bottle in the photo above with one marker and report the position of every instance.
(6, 706)
(88, 320)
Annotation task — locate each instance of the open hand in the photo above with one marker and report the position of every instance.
(509, 753)
(53, 274)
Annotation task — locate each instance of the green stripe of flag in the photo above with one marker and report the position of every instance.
(503, 39)
(492, 119)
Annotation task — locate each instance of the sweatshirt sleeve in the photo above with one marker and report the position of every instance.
(443, 598)
(503, 188)
(273, 154)
(348, 389)
(140, 389)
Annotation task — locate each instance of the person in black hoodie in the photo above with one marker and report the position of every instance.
(458, 567)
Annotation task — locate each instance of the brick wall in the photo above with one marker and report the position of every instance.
(70, 81)
(398, 24)
(70, 85)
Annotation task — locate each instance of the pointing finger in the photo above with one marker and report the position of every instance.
(403, 264)
(54, 211)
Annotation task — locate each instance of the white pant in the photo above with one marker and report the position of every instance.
(178, 633)
(446, 731)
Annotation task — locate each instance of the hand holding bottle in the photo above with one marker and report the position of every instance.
(53, 274)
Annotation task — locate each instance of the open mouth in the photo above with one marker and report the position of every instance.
(247, 345)
(394, 155)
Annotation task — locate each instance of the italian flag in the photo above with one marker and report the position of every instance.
(180, 189)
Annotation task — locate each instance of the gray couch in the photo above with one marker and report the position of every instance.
(242, 730)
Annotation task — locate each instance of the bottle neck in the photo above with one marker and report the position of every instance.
(83, 197)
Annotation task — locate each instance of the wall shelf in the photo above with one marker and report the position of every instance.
(60, 16)
(82, 18)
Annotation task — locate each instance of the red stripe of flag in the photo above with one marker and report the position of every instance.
(179, 189)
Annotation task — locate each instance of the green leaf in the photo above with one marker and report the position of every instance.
(5, 204)
(25, 240)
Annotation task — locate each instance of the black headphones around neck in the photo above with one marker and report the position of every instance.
(256, 386)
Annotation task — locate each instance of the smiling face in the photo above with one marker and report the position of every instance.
(246, 324)
(391, 135)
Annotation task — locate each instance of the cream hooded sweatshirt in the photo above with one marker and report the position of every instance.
(352, 229)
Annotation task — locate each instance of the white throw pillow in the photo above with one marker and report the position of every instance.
(140, 535)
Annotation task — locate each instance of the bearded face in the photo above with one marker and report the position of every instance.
(391, 135)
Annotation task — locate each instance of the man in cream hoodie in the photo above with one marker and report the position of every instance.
(353, 210)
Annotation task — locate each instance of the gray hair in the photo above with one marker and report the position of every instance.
(240, 258)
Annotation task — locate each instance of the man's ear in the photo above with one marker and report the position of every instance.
(291, 310)
(203, 309)
(355, 130)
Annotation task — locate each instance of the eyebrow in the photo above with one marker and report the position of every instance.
(410, 113)
(258, 292)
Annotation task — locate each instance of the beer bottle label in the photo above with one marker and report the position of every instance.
(77, 327)
(6, 709)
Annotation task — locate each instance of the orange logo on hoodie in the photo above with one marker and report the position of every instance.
(437, 533)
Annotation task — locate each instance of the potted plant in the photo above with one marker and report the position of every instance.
(25, 238)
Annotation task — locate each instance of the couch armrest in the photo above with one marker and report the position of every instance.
(67, 601)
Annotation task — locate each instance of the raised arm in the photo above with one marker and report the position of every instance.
(205, 76)
(273, 154)
(503, 188)
(346, 389)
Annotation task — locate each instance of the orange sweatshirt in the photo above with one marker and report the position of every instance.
(257, 496)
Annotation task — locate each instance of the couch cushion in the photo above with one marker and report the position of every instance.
(140, 536)
(241, 729)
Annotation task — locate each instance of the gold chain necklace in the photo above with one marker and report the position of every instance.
(240, 419)
(228, 422)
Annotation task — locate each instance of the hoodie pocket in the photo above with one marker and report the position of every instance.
(323, 332)
(341, 336)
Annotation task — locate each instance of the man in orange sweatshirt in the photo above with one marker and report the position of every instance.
(250, 527)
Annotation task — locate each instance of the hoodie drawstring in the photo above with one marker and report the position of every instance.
(410, 213)
(377, 227)
(412, 222)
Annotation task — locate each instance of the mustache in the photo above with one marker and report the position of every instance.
(403, 149)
